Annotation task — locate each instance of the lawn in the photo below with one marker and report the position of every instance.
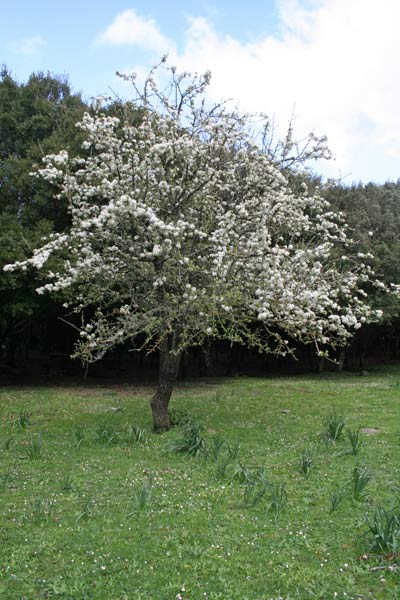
(93, 505)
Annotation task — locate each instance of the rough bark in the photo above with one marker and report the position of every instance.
(168, 372)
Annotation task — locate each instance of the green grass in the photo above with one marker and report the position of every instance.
(100, 516)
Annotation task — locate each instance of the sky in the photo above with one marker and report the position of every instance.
(331, 65)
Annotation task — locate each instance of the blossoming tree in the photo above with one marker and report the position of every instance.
(183, 229)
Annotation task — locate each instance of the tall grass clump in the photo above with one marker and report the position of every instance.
(334, 426)
(191, 441)
(107, 434)
(178, 417)
(336, 497)
(306, 461)
(23, 419)
(218, 444)
(34, 449)
(384, 528)
(143, 494)
(38, 511)
(355, 438)
(253, 493)
(136, 435)
(278, 499)
(361, 476)
(79, 436)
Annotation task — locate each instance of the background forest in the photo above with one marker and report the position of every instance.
(37, 118)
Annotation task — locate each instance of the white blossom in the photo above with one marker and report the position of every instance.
(181, 222)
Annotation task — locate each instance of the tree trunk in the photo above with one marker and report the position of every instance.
(168, 372)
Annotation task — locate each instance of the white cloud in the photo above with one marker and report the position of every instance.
(129, 28)
(27, 46)
(335, 62)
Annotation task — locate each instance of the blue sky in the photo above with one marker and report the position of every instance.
(63, 34)
(332, 63)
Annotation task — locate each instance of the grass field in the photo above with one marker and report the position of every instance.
(93, 506)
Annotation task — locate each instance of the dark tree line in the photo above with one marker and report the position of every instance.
(37, 118)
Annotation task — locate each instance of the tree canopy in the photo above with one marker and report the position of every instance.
(183, 228)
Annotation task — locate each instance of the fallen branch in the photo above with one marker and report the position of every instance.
(384, 568)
